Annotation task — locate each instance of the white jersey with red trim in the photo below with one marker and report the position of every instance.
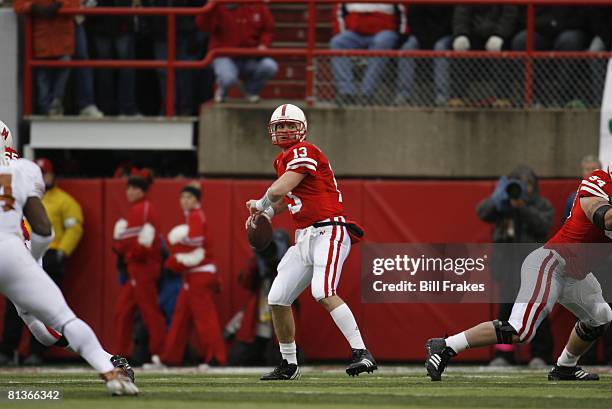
(19, 180)
(317, 197)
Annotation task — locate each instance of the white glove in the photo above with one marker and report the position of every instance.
(191, 259)
(120, 226)
(178, 233)
(146, 235)
(494, 43)
(461, 43)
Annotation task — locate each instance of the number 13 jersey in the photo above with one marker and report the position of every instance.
(317, 197)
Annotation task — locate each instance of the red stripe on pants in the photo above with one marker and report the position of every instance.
(535, 294)
(333, 289)
(551, 270)
(330, 255)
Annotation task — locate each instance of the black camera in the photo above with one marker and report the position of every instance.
(514, 189)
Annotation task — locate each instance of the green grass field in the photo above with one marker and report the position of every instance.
(463, 387)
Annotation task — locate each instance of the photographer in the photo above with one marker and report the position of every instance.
(520, 216)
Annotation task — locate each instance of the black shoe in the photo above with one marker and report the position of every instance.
(362, 361)
(570, 373)
(438, 355)
(120, 362)
(284, 372)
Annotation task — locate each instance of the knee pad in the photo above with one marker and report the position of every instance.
(504, 332)
(588, 333)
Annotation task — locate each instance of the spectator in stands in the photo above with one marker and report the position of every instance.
(251, 328)
(557, 29)
(191, 257)
(84, 86)
(520, 215)
(430, 28)
(137, 241)
(189, 47)
(243, 26)
(487, 28)
(114, 38)
(370, 26)
(600, 30)
(54, 37)
(588, 164)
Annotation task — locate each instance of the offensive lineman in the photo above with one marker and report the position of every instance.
(553, 273)
(22, 280)
(307, 184)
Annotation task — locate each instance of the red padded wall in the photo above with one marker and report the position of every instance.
(390, 211)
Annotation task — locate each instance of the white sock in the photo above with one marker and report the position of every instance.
(458, 342)
(567, 359)
(289, 352)
(83, 340)
(344, 319)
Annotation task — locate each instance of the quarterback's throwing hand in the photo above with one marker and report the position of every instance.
(252, 206)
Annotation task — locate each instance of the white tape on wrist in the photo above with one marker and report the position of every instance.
(269, 212)
(263, 203)
(40, 244)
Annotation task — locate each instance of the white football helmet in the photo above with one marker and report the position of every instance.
(6, 140)
(288, 113)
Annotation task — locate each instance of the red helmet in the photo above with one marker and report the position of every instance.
(288, 113)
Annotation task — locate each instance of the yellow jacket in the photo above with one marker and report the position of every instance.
(66, 217)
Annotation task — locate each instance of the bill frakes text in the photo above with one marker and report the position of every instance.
(424, 286)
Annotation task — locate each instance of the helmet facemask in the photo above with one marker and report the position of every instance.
(287, 137)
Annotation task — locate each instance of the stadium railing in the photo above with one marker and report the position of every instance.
(519, 67)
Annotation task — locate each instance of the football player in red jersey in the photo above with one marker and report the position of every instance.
(554, 273)
(306, 186)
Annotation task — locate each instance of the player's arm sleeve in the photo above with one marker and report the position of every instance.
(487, 211)
(73, 226)
(303, 159)
(538, 218)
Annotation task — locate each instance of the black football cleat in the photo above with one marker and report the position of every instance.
(438, 355)
(362, 361)
(120, 362)
(570, 373)
(284, 372)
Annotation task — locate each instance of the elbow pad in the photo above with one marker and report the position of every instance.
(599, 217)
(40, 244)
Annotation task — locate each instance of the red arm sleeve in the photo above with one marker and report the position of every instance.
(337, 19)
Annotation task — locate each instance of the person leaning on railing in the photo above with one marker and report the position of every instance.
(368, 26)
(487, 28)
(244, 26)
(53, 38)
(556, 81)
(429, 29)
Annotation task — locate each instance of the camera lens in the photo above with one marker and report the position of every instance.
(514, 189)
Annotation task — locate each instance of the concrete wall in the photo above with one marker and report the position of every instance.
(396, 142)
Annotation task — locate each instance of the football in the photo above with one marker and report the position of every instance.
(259, 232)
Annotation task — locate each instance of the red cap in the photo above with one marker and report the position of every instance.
(45, 165)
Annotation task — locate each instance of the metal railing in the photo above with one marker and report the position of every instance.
(309, 52)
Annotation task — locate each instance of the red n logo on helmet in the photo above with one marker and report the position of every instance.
(5, 133)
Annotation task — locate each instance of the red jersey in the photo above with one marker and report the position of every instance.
(317, 197)
(190, 239)
(579, 229)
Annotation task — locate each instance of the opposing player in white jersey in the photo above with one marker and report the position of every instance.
(22, 279)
